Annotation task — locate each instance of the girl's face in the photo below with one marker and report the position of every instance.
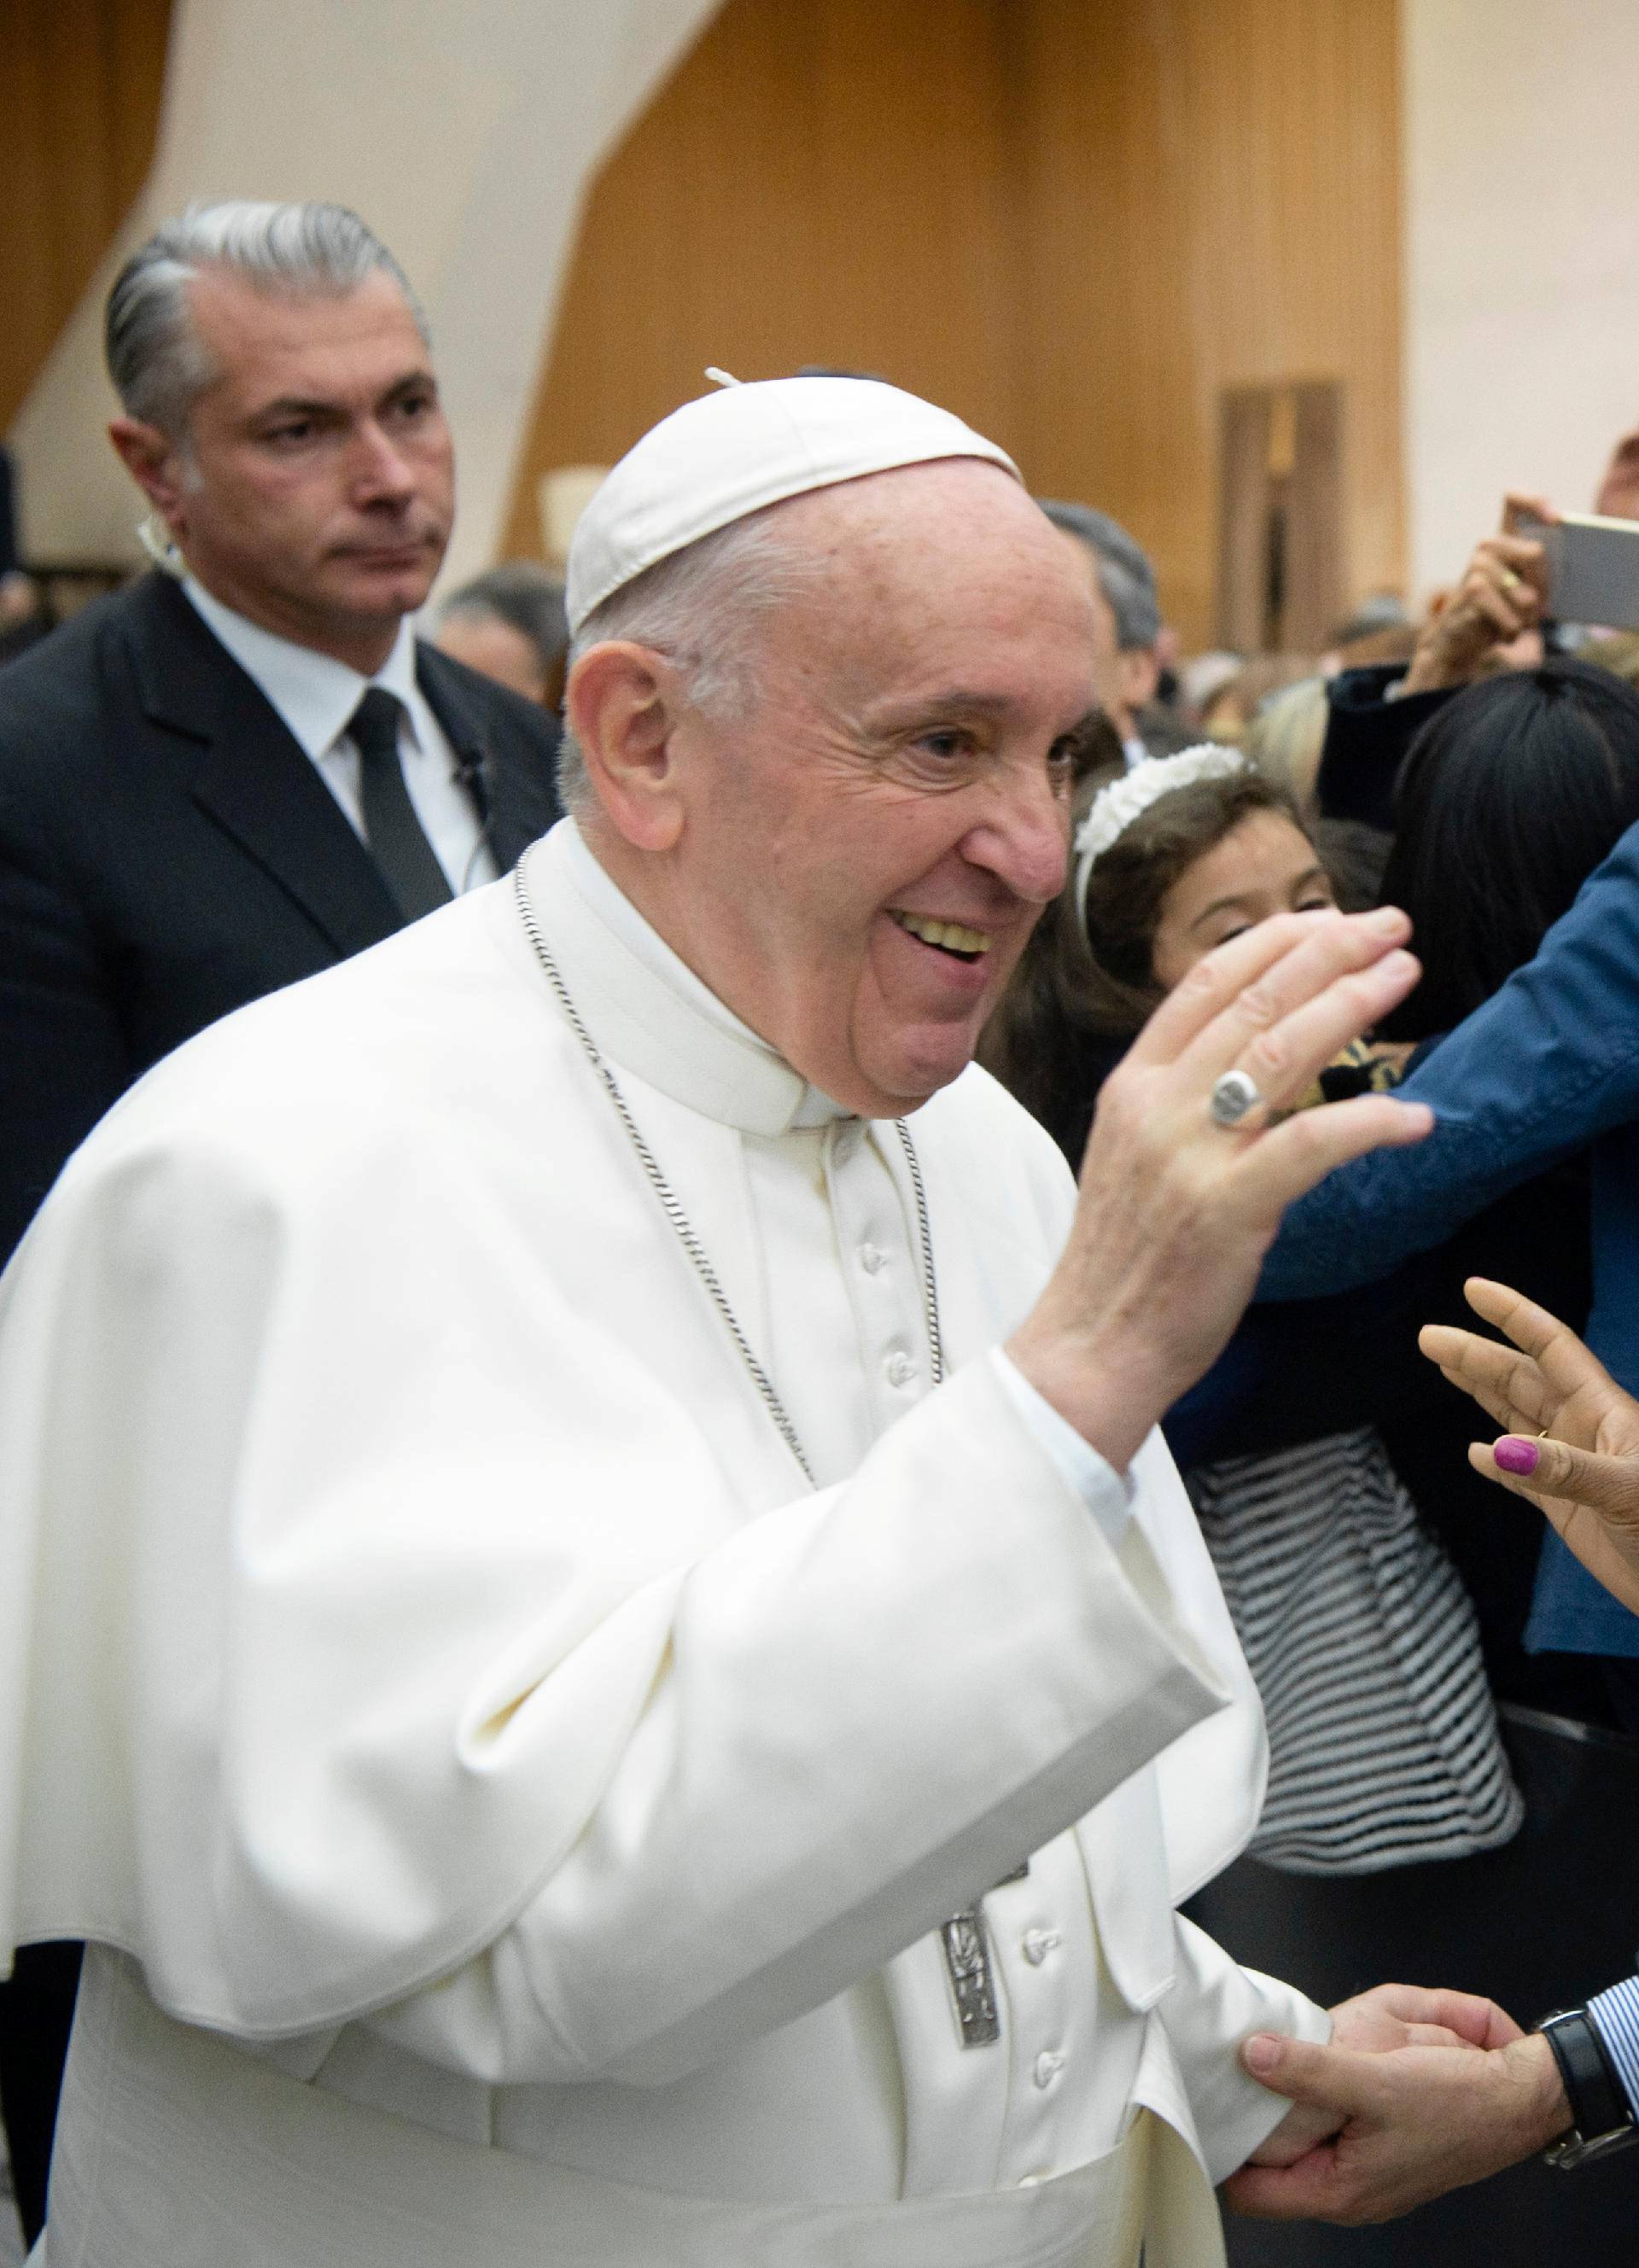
(1265, 866)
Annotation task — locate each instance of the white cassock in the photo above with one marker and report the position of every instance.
(512, 1814)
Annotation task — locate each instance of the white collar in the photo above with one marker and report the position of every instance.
(313, 693)
(646, 1008)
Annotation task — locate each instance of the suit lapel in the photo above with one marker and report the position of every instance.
(252, 779)
(512, 815)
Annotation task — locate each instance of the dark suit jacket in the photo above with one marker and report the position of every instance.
(167, 853)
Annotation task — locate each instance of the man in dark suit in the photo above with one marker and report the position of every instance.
(244, 768)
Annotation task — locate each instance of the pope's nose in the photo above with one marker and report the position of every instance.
(1023, 841)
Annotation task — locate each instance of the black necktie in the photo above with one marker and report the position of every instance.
(401, 852)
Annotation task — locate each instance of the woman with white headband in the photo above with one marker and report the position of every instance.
(1169, 860)
(1348, 1609)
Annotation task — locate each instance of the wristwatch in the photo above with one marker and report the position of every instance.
(1602, 2118)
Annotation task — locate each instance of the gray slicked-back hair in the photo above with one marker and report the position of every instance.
(1124, 573)
(155, 358)
(704, 609)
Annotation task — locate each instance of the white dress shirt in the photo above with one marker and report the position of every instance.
(315, 697)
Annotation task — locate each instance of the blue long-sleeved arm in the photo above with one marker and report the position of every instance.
(1545, 1067)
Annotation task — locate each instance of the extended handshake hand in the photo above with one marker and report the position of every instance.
(1177, 1208)
(1418, 2093)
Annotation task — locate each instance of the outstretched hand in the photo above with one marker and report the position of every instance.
(1175, 1213)
(1404, 2124)
(1388, 2016)
(1570, 1441)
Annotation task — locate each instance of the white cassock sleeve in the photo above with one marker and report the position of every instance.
(409, 1629)
(844, 1747)
(1214, 2005)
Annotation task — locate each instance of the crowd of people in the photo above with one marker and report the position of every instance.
(625, 1216)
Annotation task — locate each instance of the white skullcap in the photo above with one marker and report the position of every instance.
(731, 452)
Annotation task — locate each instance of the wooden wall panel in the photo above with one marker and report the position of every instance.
(1075, 221)
(822, 180)
(80, 83)
(1211, 198)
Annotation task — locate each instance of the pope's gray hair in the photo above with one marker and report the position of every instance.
(704, 609)
(155, 358)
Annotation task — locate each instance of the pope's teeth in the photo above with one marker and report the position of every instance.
(954, 935)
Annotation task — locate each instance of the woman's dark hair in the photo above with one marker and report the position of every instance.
(1084, 988)
(1508, 797)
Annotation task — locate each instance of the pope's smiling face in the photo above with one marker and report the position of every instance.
(862, 854)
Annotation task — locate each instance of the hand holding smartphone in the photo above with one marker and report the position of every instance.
(1593, 567)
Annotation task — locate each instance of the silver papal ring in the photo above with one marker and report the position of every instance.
(1232, 1098)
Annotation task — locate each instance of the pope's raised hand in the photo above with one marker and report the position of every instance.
(1176, 1212)
(1570, 1435)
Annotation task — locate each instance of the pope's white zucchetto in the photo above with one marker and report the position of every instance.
(734, 452)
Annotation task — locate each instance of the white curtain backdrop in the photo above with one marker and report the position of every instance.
(465, 131)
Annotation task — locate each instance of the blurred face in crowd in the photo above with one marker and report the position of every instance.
(313, 487)
(1264, 866)
(1109, 662)
(494, 649)
(854, 862)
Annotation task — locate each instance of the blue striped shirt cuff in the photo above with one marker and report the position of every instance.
(1615, 2017)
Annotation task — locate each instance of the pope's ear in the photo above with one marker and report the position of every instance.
(154, 461)
(622, 707)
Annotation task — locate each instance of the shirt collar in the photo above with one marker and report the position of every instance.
(313, 693)
(646, 1008)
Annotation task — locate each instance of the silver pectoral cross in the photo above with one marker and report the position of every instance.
(967, 1963)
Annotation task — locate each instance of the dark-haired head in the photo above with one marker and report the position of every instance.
(1510, 798)
(1089, 981)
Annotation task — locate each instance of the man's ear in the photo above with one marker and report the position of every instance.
(155, 462)
(622, 707)
(1140, 674)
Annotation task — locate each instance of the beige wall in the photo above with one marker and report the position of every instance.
(1073, 225)
(1522, 292)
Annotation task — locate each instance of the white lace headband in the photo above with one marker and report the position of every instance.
(1115, 808)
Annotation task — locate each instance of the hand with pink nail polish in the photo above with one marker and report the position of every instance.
(1571, 1440)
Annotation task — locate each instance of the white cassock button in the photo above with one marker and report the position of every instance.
(1032, 2181)
(1036, 1944)
(871, 1258)
(898, 1370)
(1048, 2065)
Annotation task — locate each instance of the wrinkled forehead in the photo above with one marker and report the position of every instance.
(275, 339)
(951, 558)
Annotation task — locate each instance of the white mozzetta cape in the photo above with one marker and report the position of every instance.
(419, 1653)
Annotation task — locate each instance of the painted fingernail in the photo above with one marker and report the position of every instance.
(1515, 1455)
